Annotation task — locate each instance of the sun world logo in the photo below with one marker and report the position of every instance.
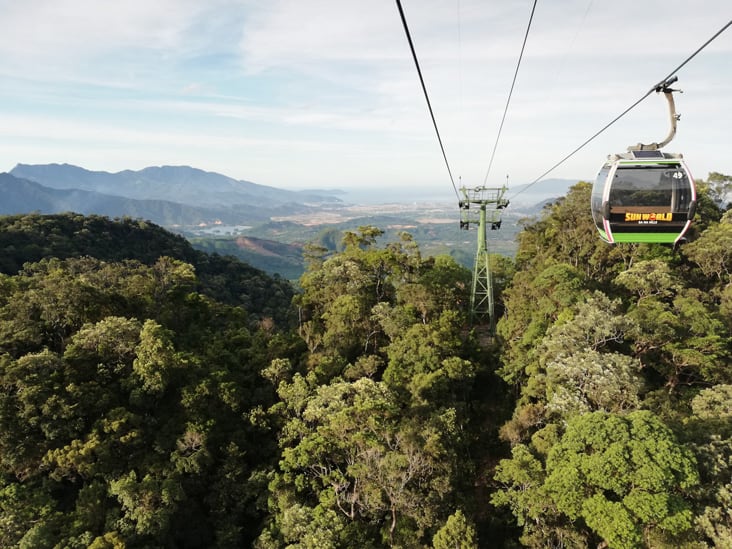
(648, 217)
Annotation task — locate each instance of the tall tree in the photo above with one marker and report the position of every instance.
(617, 479)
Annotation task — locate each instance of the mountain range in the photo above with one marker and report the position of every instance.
(185, 199)
(168, 195)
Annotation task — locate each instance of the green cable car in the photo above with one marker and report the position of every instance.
(645, 195)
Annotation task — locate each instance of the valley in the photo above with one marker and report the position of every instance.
(434, 226)
(265, 226)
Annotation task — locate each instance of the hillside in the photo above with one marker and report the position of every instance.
(33, 237)
(286, 239)
(270, 256)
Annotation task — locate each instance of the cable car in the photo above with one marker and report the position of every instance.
(643, 196)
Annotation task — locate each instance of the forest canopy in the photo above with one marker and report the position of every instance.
(155, 396)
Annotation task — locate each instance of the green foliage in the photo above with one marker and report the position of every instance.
(155, 358)
(711, 251)
(351, 301)
(716, 521)
(423, 361)
(651, 278)
(710, 430)
(376, 455)
(521, 488)
(33, 237)
(148, 396)
(148, 504)
(591, 381)
(591, 335)
(582, 373)
(522, 478)
(621, 475)
(714, 402)
(457, 533)
(681, 337)
(125, 406)
(567, 234)
(534, 302)
(712, 201)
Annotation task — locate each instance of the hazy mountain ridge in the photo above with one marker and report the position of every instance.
(190, 199)
(182, 184)
(168, 195)
(23, 196)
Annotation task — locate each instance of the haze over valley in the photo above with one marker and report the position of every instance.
(265, 226)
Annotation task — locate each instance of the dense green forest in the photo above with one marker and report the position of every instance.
(152, 395)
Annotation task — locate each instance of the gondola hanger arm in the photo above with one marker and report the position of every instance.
(665, 88)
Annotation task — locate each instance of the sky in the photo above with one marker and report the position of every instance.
(324, 93)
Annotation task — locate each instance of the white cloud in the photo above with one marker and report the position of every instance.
(56, 28)
(319, 81)
(59, 129)
(104, 41)
(295, 34)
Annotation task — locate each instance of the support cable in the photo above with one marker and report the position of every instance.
(508, 101)
(426, 95)
(655, 88)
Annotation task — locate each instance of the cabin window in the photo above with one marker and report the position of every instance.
(664, 188)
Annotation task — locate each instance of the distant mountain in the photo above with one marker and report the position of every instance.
(23, 196)
(181, 184)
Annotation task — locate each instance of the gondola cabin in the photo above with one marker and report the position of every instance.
(643, 196)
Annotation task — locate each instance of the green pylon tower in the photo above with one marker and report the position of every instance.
(490, 204)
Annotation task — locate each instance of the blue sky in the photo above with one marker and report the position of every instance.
(324, 94)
